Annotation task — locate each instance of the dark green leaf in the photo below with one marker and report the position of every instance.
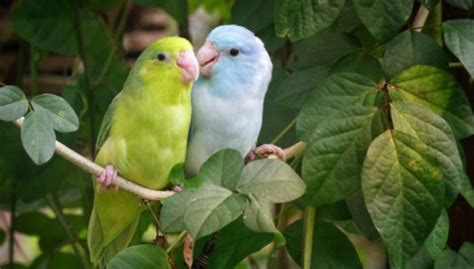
(360, 215)
(37, 137)
(452, 260)
(299, 19)
(210, 209)
(436, 241)
(359, 63)
(331, 247)
(403, 191)
(234, 243)
(459, 38)
(60, 113)
(437, 90)
(333, 160)
(13, 103)
(254, 15)
(271, 180)
(50, 28)
(429, 4)
(141, 256)
(223, 168)
(348, 21)
(464, 4)
(337, 92)
(178, 9)
(321, 48)
(63, 260)
(383, 18)
(422, 260)
(172, 212)
(411, 48)
(467, 252)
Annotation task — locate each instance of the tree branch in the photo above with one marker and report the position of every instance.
(420, 18)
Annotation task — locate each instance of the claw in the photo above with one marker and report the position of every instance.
(107, 177)
(267, 150)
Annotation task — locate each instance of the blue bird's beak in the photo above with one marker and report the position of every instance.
(207, 56)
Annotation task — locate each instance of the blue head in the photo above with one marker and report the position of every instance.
(233, 56)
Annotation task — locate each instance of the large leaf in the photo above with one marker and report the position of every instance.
(271, 180)
(13, 103)
(437, 90)
(211, 208)
(333, 161)
(430, 128)
(459, 38)
(383, 18)
(299, 19)
(436, 241)
(360, 215)
(464, 4)
(178, 9)
(254, 15)
(403, 191)
(37, 137)
(337, 92)
(234, 243)
(321, 48)
(57, 261)
(359, 63)
(452, 260)
(46, 24)
(172, 212)
(411, 48)
(62, 116)
(223, 168)
(331, 248)
(141, 256)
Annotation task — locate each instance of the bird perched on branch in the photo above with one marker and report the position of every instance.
(143, 135)
(228, 97)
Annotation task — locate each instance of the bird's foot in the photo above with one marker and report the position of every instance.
(266, 151)
(107, 178)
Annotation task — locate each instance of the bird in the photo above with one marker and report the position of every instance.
(227, 99)
(142, 137)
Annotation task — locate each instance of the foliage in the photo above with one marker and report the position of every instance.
(375, 101)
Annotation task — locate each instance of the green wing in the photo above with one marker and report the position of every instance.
(106, 123)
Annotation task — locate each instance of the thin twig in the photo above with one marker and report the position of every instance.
(309, 220)
(284, 132)
(176, 242)
(420, 18)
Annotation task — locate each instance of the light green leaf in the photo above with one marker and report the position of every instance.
(411, 48)
(172, 212)
(437, 90)
(60, 113)
(37, 137)
(210, 209)
(436, 241)
(464, 4)
(270, 180)
(359, 63)
(337, 92)
(140, 256)
(333, 160)
(46, 24)
(299, 19)
(403, 191)
(13, 103)
(321, 48)
(383, 18)
(258, 217)
(331, 247)
(223, 168)
(459, 38)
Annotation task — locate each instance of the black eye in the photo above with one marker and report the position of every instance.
(234, 52)
(161, 57)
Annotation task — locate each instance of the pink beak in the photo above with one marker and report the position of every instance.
(189, 65)
(207, 56)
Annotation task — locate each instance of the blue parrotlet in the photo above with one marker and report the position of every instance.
(227, 99)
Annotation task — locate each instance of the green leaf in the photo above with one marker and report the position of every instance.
(360, 215)
(333, 160)
(223, 168)
(172, 212)
(37, 137)
(430, 128)
(403, 191)
(437, 90)
(422, 260)
(235, 242)
(270, 180)
(359, 63)
(141, 256)
(383, 18)
(210, 209)
(299, 19)
(436, 241)
(459, 38)
(295, 89)
(331, 247)
(13, 103)
(337, 92)
(61, 260)
(46, 28)
(452, 260)
(176, 176)
(253, 15)
(467, 252)
(178, 9)
(321, 48)
(60, 113)
(258, 217)
(411, 48)
(464, 4)
(429, 4)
